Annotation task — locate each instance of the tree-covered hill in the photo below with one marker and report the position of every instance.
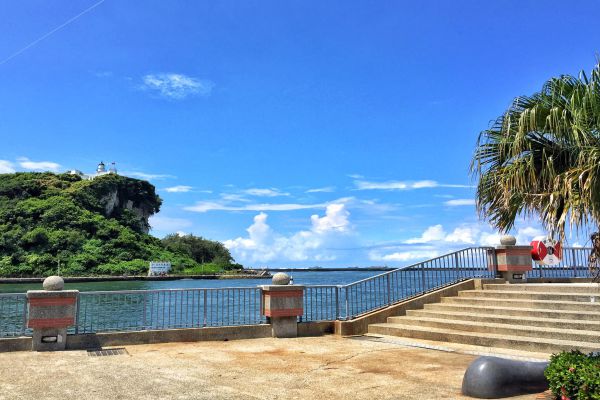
(94, 227)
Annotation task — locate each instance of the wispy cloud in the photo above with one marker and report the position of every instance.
(402, 185)
(460, 202)
(272, 192)
(178, 189)
(404, 255)
(176, 86)
(38, 165)
(6, 167)
(143, 175)
(327, 189)
(233, 197)
(205, 206)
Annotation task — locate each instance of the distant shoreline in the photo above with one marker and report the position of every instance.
(72, 279)
(330, 269)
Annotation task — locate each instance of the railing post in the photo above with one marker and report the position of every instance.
(144, 308)
(205, 306)
(77, 313)
(24, 326)
(574, 260)
(337, 302)
(389, 289)
(422, 277)
(347, 308)
(457, 265)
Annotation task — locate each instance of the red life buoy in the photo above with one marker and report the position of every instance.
(546, 252)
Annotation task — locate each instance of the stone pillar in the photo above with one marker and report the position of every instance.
(513, 261)
(282, 304)
(51, 312)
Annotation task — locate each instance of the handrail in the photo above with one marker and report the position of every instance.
(198, 307)
(416, 264)
(165, 290)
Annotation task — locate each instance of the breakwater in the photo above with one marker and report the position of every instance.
(75, 279)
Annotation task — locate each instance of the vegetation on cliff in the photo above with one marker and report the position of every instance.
(94, 227)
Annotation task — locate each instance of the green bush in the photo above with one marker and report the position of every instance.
(574, 375)
(207, 268)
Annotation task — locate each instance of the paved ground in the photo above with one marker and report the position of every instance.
(328, 367)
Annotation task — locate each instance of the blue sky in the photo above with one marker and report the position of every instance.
(299, 133)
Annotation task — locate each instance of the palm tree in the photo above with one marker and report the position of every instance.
(542, 157)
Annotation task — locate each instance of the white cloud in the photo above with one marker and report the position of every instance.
(168, 224)
(178, 189)
(265, 192)
(263, 245)
(335, 220)
(6, 167)
(402, 185)
(38, 165)
(431, 234)
(327, 189)
(489, 239)
(204, 206)
(463, 234)
(460, 202)
(472, 234)
(145, 176)
(176, 86)
(232, 197)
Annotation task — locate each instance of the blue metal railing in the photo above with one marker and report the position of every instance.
(167, 309)
(13, 314)
(192, 308)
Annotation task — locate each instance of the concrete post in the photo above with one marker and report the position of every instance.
(51, 312)
(282, 304)
(513, 261)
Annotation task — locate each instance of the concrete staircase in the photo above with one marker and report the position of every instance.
(544, 318)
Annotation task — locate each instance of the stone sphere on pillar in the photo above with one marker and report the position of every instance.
(508, 240)
(54, 283)
(281, 278)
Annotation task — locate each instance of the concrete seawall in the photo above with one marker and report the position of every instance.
(220, 333)
(75, 279)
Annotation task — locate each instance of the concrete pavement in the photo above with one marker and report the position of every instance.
(328, 367)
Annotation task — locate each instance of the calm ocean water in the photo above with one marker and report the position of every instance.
(300, 277)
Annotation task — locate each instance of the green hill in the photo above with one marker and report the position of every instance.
(94, 227)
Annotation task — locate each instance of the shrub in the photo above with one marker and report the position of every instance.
(574, 375)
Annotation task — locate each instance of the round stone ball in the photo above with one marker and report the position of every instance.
(54, 283)
(281, 278)
(508, 240)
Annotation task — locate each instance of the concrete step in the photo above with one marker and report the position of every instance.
(493, 317)
(546, 287)
(506, 309)
(523, 303)
(475, 338)
(501, 329)
(559, 296)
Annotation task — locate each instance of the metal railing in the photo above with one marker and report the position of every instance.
(167, 309)
(574, 264)
(385, 289)
(321, 303)
(204, 307)
(13, 314)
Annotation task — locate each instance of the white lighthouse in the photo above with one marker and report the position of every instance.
(100, 170)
